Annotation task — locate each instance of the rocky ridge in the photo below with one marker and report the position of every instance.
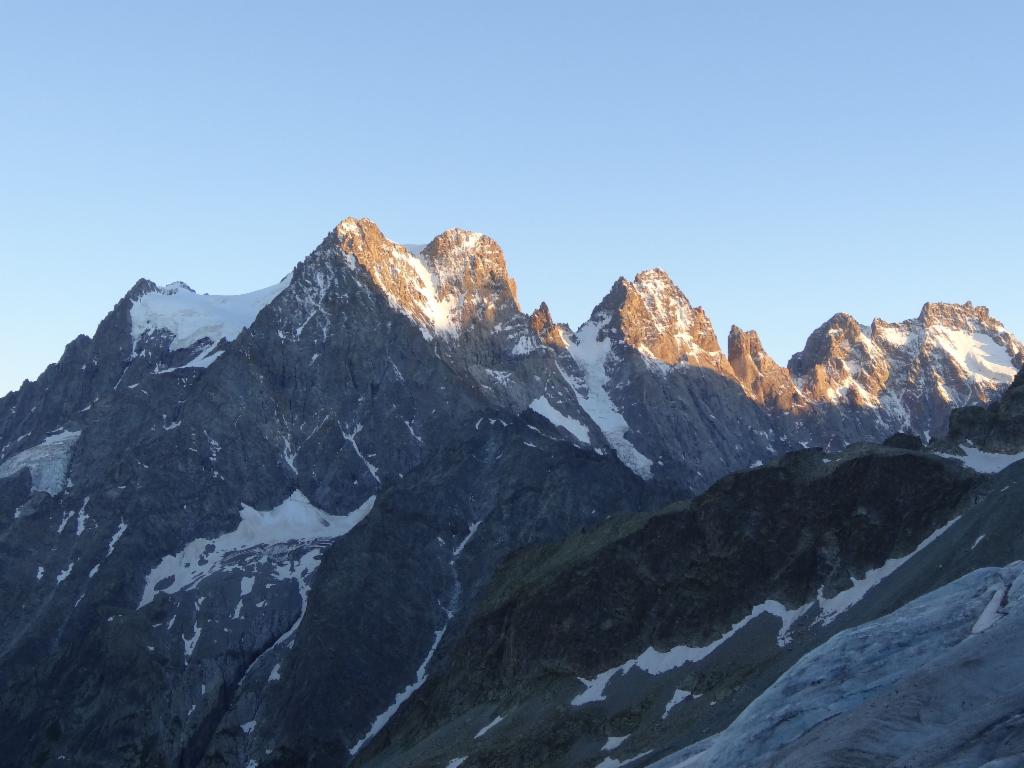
(770, 621)
(204, 497)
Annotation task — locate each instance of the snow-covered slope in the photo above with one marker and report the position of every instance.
(933, 683)
(591, 350)
(184, 319)
(649, 373)
(911, 373)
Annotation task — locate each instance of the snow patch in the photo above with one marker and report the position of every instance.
(293, 520)
(191, 642)
(544, 407)
(677, 698)
(614, 742)
(421, 677)
(655, 662)
(976, 353)
(991, 614)
(591, 355)
(462, 544)
(190, 317)
(831, 607)
(121, 528)
(82, 517)
(47, 462)
(488, 727)
(351, 438)
(982, 462)
(611, 762)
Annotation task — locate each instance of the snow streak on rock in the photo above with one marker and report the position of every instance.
(591, 355)
(294, 520)
(655, 662)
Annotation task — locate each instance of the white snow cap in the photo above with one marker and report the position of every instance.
(190, 317)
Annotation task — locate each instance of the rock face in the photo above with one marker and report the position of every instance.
(655, 318)
(546, 330)
(247, 530)
(764, 623)
(647, 370)
(194, 508)
(999, 428)
(764, 380)
(910, 373)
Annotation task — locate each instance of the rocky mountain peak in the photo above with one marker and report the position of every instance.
(547, 330)
(764, 380)
(912, 371)
(655, 318)
(840, 363)
(361, 238)
(972, 337)
(457, 277)
(953, 315)
(470, 266)
(141, 288)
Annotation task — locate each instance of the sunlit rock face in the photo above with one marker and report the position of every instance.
(913, 373)
(764, 380)
(282, 510)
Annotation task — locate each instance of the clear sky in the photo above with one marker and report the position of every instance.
(783, 161)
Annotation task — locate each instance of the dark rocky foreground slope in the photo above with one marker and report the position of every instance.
(628, 644)
(264, 529)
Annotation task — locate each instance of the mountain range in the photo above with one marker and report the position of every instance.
(378, 514)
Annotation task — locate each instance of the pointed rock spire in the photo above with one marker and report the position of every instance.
(547, 330)
(765, 381)
(655, 318)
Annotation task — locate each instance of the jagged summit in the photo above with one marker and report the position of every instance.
(216, 493)
(470, 266)
(914, 370)
(142, 286)
(549, 332)
(654, 317)
(762, 378)
(840, 363)
(950, 313)
(905, 376)
(458, 276)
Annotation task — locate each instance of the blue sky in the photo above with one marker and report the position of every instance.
(782, 161)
